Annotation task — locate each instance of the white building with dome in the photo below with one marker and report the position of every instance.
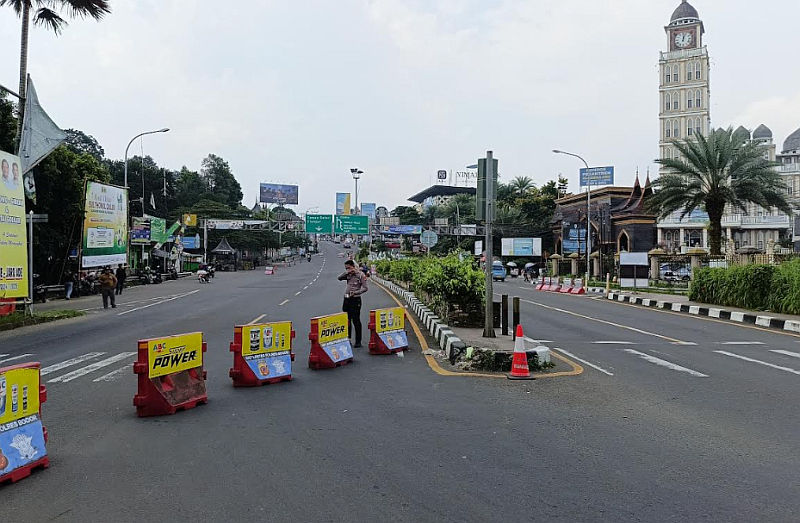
(684, 99)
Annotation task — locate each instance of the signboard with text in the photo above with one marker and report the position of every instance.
(174, 354)
(105, 227)
(521, 247)
(21, 435)
(351, 224)
(13, 236)
(266, 348)
(319, 223)
(597, 176)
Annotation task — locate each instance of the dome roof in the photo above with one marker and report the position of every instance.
(792, 143)
(761, 132)
(685, 10)
(741, 131)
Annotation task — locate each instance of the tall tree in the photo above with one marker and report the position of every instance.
(723, 169)
(521, 185)
(80, 142)
(221, 184)
(46, 13)
(408, 215)
(8, 124)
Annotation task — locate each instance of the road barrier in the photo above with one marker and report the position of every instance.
(170, 374)
(387, 331)
(262, 353)
(330, 345)
(553, 285)
(566, 287)
(578, 287)
(541, 283)
(22, 436)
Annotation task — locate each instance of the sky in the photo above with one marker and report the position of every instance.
(301, 91)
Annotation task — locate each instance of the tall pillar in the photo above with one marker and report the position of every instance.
(705, 239)
(660, 233)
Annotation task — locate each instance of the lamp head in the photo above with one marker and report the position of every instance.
(557, 151)
(165, 129)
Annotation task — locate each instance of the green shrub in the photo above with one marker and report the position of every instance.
(744, 286)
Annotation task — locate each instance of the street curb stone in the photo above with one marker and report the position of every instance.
(711, 312)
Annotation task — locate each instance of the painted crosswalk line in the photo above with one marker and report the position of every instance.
(14, 358)
(759, 362)
(592, 365)
(787, 353)
(665, 363)
(66, 378)
(69, 363)
(114, 374)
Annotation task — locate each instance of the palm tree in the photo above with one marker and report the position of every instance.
(714, 171)
(46, 14)
(521, 184)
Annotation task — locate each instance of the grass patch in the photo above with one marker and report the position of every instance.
(20, 319)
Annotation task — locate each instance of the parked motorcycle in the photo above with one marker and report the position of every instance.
(39, 290)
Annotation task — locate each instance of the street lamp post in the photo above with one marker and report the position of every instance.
(356, 172)
(165, 129)
(588, 215)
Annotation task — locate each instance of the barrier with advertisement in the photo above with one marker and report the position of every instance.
(555, 284)
(13, 236)
(387, 331)
(577, 287)
(105, 226)
(170, 374)
(541, 283)
(22, 436)
(566, 286)
(548, 281)
(262, 353)
(330, 344)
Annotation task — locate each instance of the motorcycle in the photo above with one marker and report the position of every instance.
(39, 290)
(88, 285)
(203, 276)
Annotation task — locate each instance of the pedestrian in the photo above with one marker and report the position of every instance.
(121, 276)
(356, 286)
(365, 269)
(69, 282)
(108, 282)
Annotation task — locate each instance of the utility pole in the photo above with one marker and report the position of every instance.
(488, 325)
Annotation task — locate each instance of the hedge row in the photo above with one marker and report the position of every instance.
(761, 287)
(453, 288)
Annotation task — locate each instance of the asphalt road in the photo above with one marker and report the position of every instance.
(386, 438)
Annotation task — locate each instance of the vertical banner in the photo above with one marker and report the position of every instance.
(342, 203)
(13, 237)
(368, 209)
(158, 230)
(105, 227)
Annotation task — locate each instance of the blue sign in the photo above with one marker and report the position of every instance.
(21, 443)
(339, 350)
(368, 209)
(597, 176)
(574, 241)
(394, 339)
(523, 246)
(401, 229)
(270, 364)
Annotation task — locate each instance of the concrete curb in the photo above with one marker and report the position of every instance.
(711, 312)
(442, 333)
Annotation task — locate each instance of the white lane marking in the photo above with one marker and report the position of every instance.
(284, 302)
(68, 363)
(306, 287)
(745, 358)
(592, 365)
(111, 376)
(91, 368)
(689, 343)
(16, 358)
(740, 343)
(255, 319)
(665, 363)
(634, 329)
(787, 353)
(298, 293)
(610, 342)
(159, 302)
(1, 355)
(531, 340)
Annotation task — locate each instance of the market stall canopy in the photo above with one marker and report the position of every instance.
(223, 248)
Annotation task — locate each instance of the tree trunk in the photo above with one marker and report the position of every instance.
(23, 65)
(715, 227)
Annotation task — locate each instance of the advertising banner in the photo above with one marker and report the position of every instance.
(21, 435)
(174, 353)
(521, 247)
(333, 336)
(574, 241)
(368, 209)
(278, 193)
(235, 225)
(266, 348)
(401, 229)
(105, 227)
(13, 236)
(140, 231)
(190, 220)
(158, 230)
(390, 326)
(342, 203)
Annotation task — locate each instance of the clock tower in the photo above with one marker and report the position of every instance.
(684, 81)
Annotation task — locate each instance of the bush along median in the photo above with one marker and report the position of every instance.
(20, 319)
(452, 288)
(775, 288)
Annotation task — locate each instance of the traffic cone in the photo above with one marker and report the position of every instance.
(519, 365)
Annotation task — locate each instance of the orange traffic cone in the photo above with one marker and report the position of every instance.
(519, 365)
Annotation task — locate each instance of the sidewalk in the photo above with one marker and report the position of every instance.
(679, 303)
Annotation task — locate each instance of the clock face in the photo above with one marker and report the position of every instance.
(683, 39)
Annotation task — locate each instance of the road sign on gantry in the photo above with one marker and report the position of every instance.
(319, 223)
(22, 437)
(262, 353)
(170, 374)
(351, 224)
(387, 331)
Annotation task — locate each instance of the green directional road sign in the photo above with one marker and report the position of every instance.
(351, 224)
(319, 223)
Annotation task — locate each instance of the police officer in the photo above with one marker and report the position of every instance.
(356, 286)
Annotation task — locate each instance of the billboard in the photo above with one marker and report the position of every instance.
(368, 209)
(140, 231)
(342, 203)
(521, 247)
(13, 237)
(401, 229)
(278, 193)
(574, 241)
(597, 176)
(105, 227)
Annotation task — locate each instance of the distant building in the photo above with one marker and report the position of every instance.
(438, 195)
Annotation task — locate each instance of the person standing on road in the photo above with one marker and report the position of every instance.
(356, 286)
(121, 277)
(108, 282)
(69, 282)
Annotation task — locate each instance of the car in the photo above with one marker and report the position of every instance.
(498, 272)
(675, 272)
